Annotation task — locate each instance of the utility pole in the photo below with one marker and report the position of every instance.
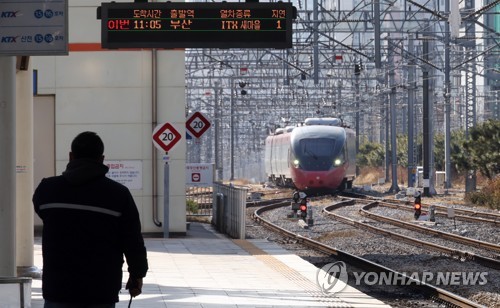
(357, 72)
(387, 134)
(209, 148)
(470, 90)
(376, 29)
(447, 96)
(411, 108)
(231, 178)
(315, 42)
(217, 134)
(392, 100)
(426, 119)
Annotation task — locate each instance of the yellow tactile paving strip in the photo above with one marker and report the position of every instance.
(288, 272)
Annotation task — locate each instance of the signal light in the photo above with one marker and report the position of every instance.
(303, 208)
(418, 210)
(242, 84)
(418, 205)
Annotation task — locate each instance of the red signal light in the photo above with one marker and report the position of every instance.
(303, 210)
(418, 210)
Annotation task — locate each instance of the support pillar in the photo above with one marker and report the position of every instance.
(7, 166)
(24, 174)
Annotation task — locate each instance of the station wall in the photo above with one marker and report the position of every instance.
(111, 92)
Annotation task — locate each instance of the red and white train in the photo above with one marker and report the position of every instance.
(320, 155)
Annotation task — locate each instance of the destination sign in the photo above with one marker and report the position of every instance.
(196, 25)
(33, 27)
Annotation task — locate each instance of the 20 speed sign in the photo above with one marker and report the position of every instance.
(165, 136)
(197, 124)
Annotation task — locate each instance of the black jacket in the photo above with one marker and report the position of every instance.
(89, 223)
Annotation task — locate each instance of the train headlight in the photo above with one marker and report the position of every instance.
(296, 163)
(337, 162)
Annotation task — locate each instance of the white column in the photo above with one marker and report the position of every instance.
(7, 166)
(24, 173)
(171, 109)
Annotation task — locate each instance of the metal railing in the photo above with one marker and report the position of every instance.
(15, 292)
(228, 210)
(199, 201)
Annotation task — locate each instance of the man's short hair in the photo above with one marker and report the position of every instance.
(87, 145)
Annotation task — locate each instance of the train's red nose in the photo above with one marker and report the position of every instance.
(318, 179)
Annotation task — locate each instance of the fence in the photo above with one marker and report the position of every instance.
(229, 209)
(199, 201)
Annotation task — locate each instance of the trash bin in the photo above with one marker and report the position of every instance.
(15, 292)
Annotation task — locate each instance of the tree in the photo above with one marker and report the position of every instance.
(439, 163)
(482, 151)
(456, 149)
(370, 155)
(402, 150)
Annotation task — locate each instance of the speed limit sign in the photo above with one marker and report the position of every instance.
(165, 136)
(197, 124)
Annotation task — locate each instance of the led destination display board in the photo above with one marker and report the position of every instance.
(196, 25)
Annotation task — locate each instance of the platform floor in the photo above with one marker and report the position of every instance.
(206, 269)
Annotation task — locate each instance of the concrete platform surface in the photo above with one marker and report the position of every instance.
(206, 269)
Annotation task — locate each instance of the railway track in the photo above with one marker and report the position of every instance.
(460, 214)
(458, 254)
(457, 238)
(433, 292)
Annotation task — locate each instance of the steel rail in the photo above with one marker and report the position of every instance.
(442, 214)
(462, 255)
(264, 202)
(430, 290)
(469, 241)
(472, 215)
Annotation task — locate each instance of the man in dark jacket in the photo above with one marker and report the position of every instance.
(89, 223)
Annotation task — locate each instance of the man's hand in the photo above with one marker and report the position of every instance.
(134, 286)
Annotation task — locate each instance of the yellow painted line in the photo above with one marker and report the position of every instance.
(285, 270)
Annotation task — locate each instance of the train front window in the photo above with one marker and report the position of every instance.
(316, 154)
